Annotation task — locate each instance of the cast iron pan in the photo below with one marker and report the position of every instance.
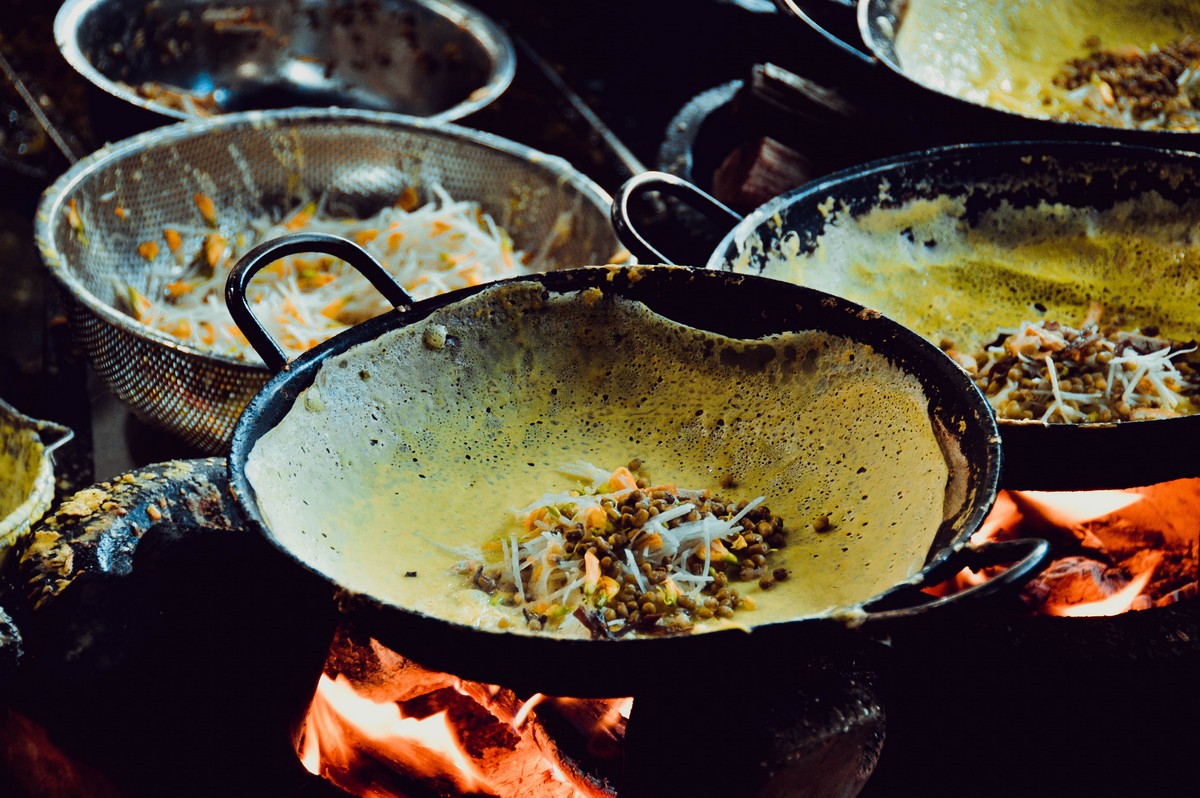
(1037, 456)
(617, 667)
(864, 32)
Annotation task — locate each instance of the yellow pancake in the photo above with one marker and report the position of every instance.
(410, 452)
(1005, 54)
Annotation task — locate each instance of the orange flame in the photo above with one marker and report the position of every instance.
(1071, 508)
(1119, 602)
(429, 745)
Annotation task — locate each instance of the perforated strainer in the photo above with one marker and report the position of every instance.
(93, 219)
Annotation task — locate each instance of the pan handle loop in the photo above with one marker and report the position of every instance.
(1031, 556)
(796, 9)
(268, 252)
(636, 187)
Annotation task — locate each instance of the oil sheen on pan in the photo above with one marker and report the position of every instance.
(411, 452)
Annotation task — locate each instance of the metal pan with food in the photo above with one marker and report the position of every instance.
(1124, 70)
(1064, 277)
(550, 481)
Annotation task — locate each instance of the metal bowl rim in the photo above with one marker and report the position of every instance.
(56, 196)
(480, 26)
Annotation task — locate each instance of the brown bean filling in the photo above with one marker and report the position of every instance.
(631, 556)
(1159, 83)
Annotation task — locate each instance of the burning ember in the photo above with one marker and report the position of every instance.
(1114, 551)
(382, 726)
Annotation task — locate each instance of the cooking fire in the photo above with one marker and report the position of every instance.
(1114, 550)
(380, 725)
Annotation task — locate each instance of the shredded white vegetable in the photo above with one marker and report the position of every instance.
(443, 245)
(1055, 373)
(669, 559)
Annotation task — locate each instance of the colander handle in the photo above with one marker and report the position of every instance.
(268, 252)
(1029, 557)
(639, 185)
(827, 25)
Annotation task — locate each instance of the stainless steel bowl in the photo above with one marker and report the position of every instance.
(255, 165)
(182, 59)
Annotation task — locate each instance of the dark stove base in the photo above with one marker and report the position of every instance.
(992, 704)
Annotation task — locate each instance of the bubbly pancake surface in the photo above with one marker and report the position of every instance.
(410, 452)
(929, 267)
(1006, 54)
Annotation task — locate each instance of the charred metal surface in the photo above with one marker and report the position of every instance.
(808, 728)
(165, 643)
(1001, 704)
(97, 529)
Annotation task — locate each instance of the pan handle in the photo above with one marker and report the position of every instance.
(1031, 556)
(638, 186)
(795, 9)
(268, 252)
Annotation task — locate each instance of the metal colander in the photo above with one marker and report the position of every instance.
(92, 220)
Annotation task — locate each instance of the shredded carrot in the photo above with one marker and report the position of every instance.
(148, 250)
(438, 227)
(622, 478)
(141, 305)
(540, 514)
(408, 199)
(173, 239)
(594, 517)
(120, 212)
(651, 541)
(472, 276)
(610, 586)
(318, 280)
(720, 553)
(178, 288)
(332, 310)
(591, 572)
(207, 209)
(214, 248)
(364, 237)
(73, 217)
(301, 218)
(394, 240)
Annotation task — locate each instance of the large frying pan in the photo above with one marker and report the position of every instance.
(375, 457)
(1052, 456)
(979, 62)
